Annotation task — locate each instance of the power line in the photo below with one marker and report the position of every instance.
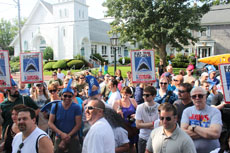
(101, 19)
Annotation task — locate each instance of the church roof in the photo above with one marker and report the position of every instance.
(219, 14)
(48, 6)
(99, 31)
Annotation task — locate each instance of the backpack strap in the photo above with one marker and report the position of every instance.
(37, 141)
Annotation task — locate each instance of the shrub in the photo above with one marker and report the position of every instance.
(127, 60)
(15, 59)
(82, 58)
(180, 61)
(48, 53)
(76, 63)
(14, 66)
(60, 64)
(98, 57)
(48, 66)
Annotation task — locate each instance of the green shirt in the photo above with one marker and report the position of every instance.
(58, 80)
(7, 106)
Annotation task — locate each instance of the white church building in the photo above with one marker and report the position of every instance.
(66, 27)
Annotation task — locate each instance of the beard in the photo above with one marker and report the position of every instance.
(15, 95)
(22, 127)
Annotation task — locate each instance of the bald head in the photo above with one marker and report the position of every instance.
(198, 89)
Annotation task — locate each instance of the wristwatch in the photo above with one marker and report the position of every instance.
(193, 127)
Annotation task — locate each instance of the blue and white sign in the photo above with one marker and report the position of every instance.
(5, 82)
(31, 67)
(143, 66)
(225, 80)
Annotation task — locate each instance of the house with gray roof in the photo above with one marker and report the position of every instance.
(215, 38)
(66, 27)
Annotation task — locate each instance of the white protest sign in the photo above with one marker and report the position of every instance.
(5, 82)
(143, 66)
(31, 67)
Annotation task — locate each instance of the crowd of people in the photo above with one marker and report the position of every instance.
(104, 113)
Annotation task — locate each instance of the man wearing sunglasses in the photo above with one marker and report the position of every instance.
(31, 138)
(65, 121)
(100, 138)
(169, 138)
(184, 99)
(146, 114)
(202, 122)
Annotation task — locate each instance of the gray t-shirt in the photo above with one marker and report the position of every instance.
(178, 142)
(146, 114)
(203, 118)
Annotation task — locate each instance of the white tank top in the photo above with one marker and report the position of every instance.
(29, 143)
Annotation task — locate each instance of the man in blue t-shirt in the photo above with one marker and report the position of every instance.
(65, 121)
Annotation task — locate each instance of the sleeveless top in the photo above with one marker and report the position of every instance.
(9, 139)
(29, 143)
(128, 111)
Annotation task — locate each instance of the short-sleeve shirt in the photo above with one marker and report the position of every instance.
(203, 118)
(180, 108)
(7, 105)
(65, 119)
(121, 136)
(178, 142)
(146, 114)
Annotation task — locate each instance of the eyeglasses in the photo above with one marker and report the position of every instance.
(52, 91)
(146, 95)
(20, 147)
(92, 107)
(163, 83)
(182, 91)
(200, 96)
(69, 96)
(167, 118)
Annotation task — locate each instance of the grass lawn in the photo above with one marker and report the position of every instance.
(124, 70)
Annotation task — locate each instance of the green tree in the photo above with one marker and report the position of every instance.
(48, 53)
(6, 34)
(156, 23)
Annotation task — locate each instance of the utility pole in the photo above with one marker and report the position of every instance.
(19, 26)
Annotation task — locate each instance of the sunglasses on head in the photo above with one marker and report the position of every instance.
(166, 118)
(20, 147)
(200, 96)
(163, 83)
(51, 91)
(69, 96)
(146, 95)
(182, 91)
(92, 107)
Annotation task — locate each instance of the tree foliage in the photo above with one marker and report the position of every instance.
(8, 30)
(156, 23)
(48, 53)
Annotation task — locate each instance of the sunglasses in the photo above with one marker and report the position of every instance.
(69, 96)
(51, 91)
(20, 147)
(175, 80)
(182, 91)
(200, 96)
(82, 78)
(166, 118)
(92, 107)
(107, 76)
(146, 95)
(163, 83)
